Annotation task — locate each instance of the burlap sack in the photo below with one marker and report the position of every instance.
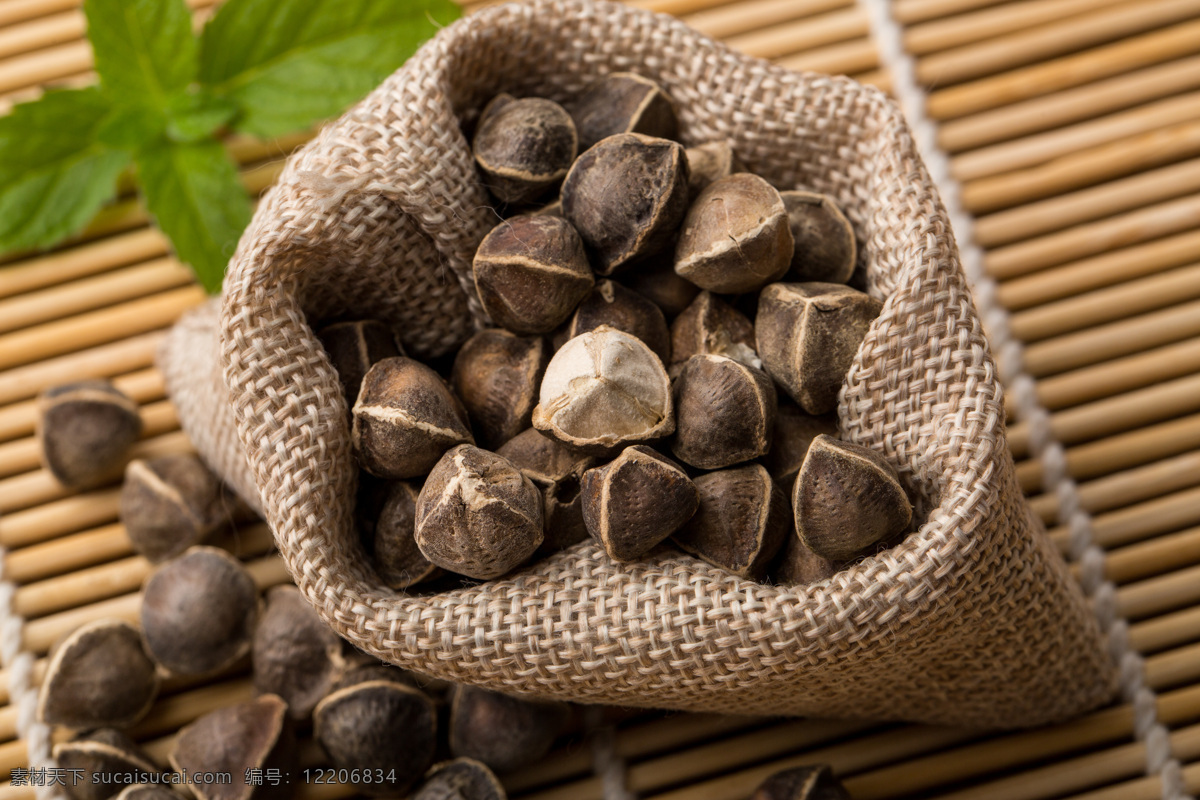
(972, 620)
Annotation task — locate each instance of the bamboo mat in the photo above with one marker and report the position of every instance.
(1073, 127)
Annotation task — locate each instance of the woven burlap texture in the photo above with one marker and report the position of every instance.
(972, 620)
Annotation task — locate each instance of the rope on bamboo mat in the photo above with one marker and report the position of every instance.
(606, 764)
(1010, 358)
(22, 691)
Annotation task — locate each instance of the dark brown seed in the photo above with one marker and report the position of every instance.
(524, 148)
(710, 326)
(495, 104)
(353, 347)
(496, 375)
(623, 102)
(612, 304)
(233, 740)
(405, 418)
(531, 272)
(742, 521)
(709, 162)
(794, 432)
(797, 565)
(660, 285)
(735, 237)
(848, 499)
(477, 515)
(106, 759)
(825, 247)
(148, 791)
(100, 676)
(626, 196)
(502, 731)
(395, 555)
(295, 654)
(85, 431)
(460, 779)
(802, 783)
(379, 725)
(199, 611)
(808, 334)
(551, 209)
(724, 410)
(636, 501)
(603, 390)
(557, 471)
(170, 503)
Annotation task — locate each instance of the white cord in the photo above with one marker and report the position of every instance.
(607, 765)
(889, 38)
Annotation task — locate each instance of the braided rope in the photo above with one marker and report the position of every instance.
(889, 38)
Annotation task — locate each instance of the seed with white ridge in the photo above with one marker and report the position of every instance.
(405, 418)
(477, 514)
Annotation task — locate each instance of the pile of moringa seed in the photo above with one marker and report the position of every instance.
(672, 336)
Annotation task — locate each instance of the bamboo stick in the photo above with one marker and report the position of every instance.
(1083, 168)
(1103, 270)
(1093, 203)
(948, 32)
(677, 8)
(45, 65)
(997, 755)
(1176, 668)
(838, 59)
(69, 553)
(1120, 452)
(1036, 45)
(96, 327)
(673, 733)
(1114, 340)
(1109, 304)
(1165, 631)
(1047, 111)
(24, 455)
(35, 34)
(913, 11)
(172, 713)
(77, 81)
(1141, 521)
(1147, 788)
(731, 20)
(1077, 774)
(12, 754)
(1066, 72)
(39, 635)
(1153, 556)
(1030, 151)
(15, 11)
(1128, 487)
(143, 386)
(1158, 595)
(22, 36)
(103, 361)
(1090, 239)
(1120, 375)
(803, 35)
(89, 294)
(34, 488)
(44, 522)
(846, 759)
(88, 585)
(1115, 414)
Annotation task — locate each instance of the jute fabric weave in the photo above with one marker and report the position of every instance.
(972, 620)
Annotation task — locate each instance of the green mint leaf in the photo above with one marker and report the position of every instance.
(193, 192)
(145, 49)
(291, 63)
(192, 116)
(133, 127)
(54, 175)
